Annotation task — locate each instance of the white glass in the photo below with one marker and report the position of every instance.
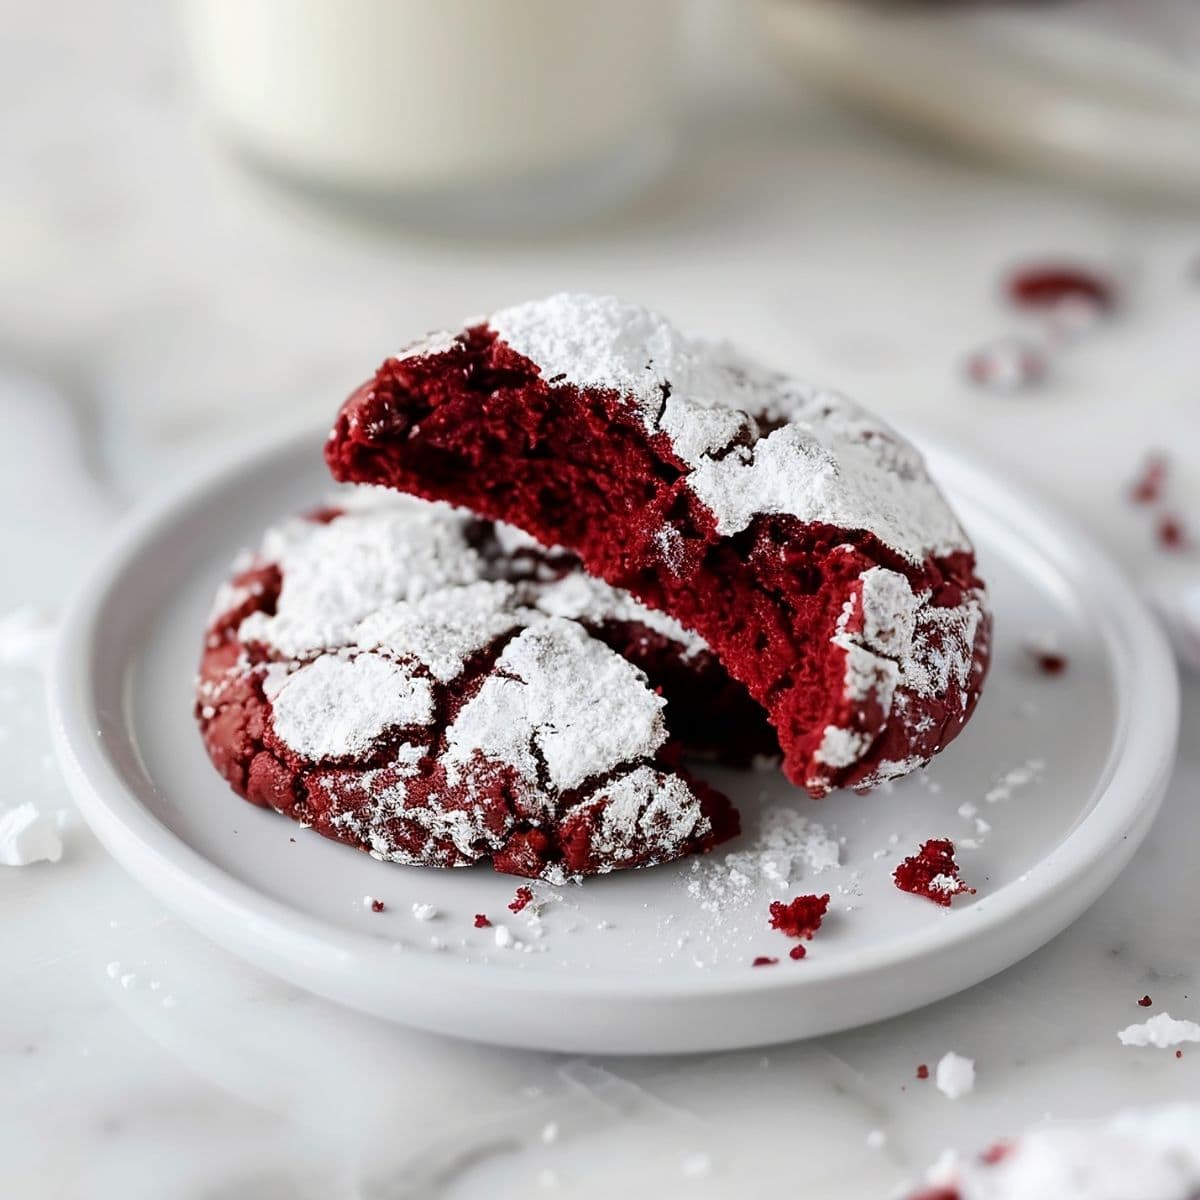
(476, 110)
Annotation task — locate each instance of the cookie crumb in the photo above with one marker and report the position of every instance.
(1148, 487)
(764, 960)
(1050, 286)
(481, 921)
(922, 1071)
(523, 897)
(1171, 533)
(424, 912)
(932, 873)
(801, 917)
(374, 904)
(1145, 1002)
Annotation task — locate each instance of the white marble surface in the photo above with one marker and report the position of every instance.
(173, 308)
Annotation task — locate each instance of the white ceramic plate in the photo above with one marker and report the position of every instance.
(632, 962)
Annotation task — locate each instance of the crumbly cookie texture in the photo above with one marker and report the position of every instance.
(389, 673)
(795, 532)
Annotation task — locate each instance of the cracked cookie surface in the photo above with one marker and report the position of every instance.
(799, 535)
(438, 691)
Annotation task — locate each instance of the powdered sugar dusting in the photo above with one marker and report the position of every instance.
(830, 463)
(648, 808)
(580, 597)
(337, 574)
(443, 628)
(1150, 1154)
(337, 707)
(561, 702)
(783, 849)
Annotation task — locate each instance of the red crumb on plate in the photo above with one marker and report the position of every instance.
(800, 918)
(523, 897)
(377, 906)
(996, 1153)
(1008, 365)
(1171, 533)
(922, 1071)
(481, 921)
(797, 952)
(764, 960)
(1148, 487)
(1048, 285)
(1178, 1053)
(1145, 1002)
(932, 873)
(1050, 663)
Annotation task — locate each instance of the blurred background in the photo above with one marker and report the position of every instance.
(216, 217)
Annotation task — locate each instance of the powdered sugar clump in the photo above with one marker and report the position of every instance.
(1162, 1031)
(785, 847)
(443, 628)
(830, 463)
(581, 597)
(1013, 780)
(25, 638)
(955, 1075)
(27, 836)
(1151, 1154)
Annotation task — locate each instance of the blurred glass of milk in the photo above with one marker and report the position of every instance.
(470, 112)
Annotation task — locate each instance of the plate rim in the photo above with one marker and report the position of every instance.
(1131, 785)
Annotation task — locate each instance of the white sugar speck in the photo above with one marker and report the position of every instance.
(424, 912)
(1162, 1031)
(1011, 781)
(955, 1075)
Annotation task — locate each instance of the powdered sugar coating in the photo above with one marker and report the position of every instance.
(561, 703)
(337, 574)
(336, 707)
(446, 722)
(443, 629)
(831, 463)
(1150, 1154)
(648, 807)
(581, 597)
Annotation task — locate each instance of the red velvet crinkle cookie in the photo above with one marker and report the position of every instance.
(438, 690)
(794, 531)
